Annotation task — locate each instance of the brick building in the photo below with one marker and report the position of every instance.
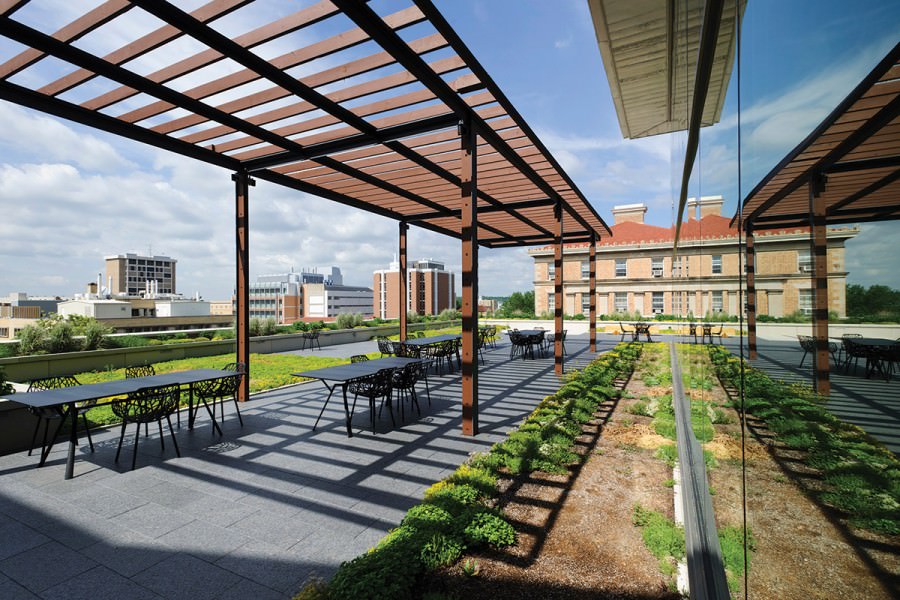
(636, 271)
(430, 289)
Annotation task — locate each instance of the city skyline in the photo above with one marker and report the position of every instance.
(71, 195)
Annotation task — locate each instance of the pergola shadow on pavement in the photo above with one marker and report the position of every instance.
(252, 513)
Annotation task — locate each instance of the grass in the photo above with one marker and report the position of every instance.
(731, 540)
(861, 478)
(267, 371)
(663, 538)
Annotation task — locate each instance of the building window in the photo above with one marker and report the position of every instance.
(656, 267)
(551, 301)
(585, 269)
(586, 304)
(805, 302)
(621, 301)
(4, 332)
(551, 271)
(804, 261)
(717, 301)
(621, 270)
(658, 303)
(676, 304)
(717, 264)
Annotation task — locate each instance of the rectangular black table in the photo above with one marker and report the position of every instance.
(343, 375)
(435, 339)
(70, 396)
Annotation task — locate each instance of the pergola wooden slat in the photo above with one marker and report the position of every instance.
(847, 170)
(389, 114)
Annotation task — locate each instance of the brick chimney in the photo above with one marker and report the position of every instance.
(633, 213)
(692, 208)
(710, 205)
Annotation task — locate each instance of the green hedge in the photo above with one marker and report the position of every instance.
(456, 513)
(862, 478)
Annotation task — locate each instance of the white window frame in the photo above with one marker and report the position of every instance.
(716, 299)
(804, 261)
(716, 264)
(551, 301)
(586, 304)
(805, 297)
(551, 272)
(585, 269)
(623, 306)
(622, 264)
(658, 303)
(657, 266)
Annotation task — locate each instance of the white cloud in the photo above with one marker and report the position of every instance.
(29, 134)
(866, 259)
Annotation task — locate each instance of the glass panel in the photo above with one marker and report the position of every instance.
(620, 267)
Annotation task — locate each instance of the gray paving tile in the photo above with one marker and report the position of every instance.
(18, 537)
(171, 495)
(152, 520)
(45, 566)
(99, 584)
(268, 565)
(128, 552)
(245, 589)
(204, 540)
(279, 529)
(104, 501)
(186, 577)
(10, 590)
(219, 511)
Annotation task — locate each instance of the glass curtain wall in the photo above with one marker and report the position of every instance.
(815, 478)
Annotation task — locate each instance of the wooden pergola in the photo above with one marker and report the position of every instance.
(391, 114)
(846, 171)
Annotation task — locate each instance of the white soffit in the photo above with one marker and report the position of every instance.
(649, 50)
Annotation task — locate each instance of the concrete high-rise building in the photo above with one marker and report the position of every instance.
(430, 289)
(134, 275)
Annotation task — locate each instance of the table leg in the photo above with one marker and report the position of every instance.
(347, 411)
(321, 412)
(73, 440)
(191, 413)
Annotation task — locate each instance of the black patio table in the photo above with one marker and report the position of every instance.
(434, 339)
(344, 375)
(874, 347)
(530, 337)
(70, 396)
(641, 328)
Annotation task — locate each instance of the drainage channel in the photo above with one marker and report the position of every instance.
(706, 570)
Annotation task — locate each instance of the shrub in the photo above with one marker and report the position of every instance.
(254, 326)
(5, 387)
(268, 327)
(449, 314)
(32, 340)
(94, 334)
(61, 338)
(441, 550)
(349, 320)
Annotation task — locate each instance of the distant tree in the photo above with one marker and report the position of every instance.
(876, 300)
(32, 340)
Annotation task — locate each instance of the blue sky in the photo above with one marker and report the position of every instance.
(69, 196)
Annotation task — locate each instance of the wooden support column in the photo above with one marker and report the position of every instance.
(558, 292)
(592, 286)
(404, 274)
(819, 253)
(469, 178)
(751, 293)
(242, 183)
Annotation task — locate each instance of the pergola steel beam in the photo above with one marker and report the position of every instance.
(819, 252)
(403, 286)
(507, 207)
(468, 158)
(750, 250)
(558, 293)
(242, 183)
(592, 290)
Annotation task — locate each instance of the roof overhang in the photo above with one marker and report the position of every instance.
(851, 160)
(334, 99)
(650, 52)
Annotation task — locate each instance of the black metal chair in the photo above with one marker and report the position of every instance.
(377, 385)
(632, 332)
(853, 351)
(311, 338)
(550, 340)
(216, 390)
(356, 358)
(808, 343)
(385, 346)
(145, 371)
(147, 405)
(55, 413)
(403, 381)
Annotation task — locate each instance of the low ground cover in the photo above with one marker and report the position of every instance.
(462, 513)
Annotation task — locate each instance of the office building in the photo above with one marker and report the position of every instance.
(134, 275)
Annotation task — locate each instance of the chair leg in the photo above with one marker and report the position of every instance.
(172, 433)
(162, 443)
(87, 430)
(237, 408)
(805, 352)
(137, 435)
